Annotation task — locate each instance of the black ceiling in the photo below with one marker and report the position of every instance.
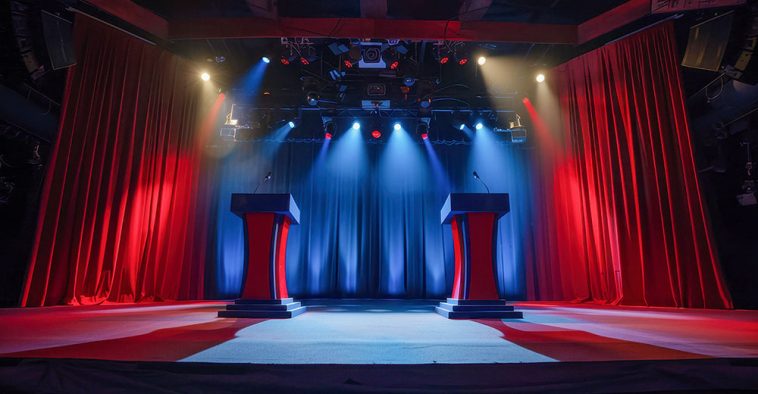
(534, 11)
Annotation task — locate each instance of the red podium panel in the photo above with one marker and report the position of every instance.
(473, 220)
(267, 218)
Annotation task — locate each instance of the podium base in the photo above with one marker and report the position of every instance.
(284, 308)
(477, 309)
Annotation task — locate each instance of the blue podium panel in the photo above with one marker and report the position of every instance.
(462, 203)
(281, 204)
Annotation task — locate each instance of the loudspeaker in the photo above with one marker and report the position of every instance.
(58, 39)
(708, 43)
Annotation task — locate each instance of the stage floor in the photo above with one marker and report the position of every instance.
(376, 332)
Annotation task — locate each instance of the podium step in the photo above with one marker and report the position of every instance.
(477, 309)
(271, 309)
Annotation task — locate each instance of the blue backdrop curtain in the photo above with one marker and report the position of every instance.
(370, 212)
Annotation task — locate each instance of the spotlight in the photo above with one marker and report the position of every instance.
(462, 126)
(348, 63)
(540, 78)
(205, 76)
(394, 65)
(266, 60)
(398, 126)
(291, 124)
(462, 61)
(329, 128)
(444, 59)
(409, 81)
(481, 60)
(479, 126)
(376, 134)
(422, 128)
(284, 61)
(356, 125)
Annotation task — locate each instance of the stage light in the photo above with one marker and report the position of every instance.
(479, 126)
(356, 125)
(394, 65)
(348, 63)
(481, 60)
(422, 128)
(266, 60)
(205, 76)
(462, 126)
(462, 61)
(312, 99)
(291, 124)
(398, 126)
(376, 134)
(444, 59)
(409, 81)
(284, 60)
(540, 78)
(329, 127)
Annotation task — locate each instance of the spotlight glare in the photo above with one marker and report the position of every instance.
(205, 76)
(462, 126)
(479, 126)
(376, 134)
(481, 60)
(356, 125)
(540, 78)
(266, 60)
(398, 126)
(291, 124)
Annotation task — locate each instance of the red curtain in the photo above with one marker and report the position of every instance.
(623, 218)
(118, 217)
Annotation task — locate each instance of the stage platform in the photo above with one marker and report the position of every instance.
(386, 332)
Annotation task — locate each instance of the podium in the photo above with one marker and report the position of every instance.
(473, 219)
(266, 220)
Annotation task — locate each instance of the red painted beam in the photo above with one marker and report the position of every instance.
(216, 28)
(613, 19)
(134, 15)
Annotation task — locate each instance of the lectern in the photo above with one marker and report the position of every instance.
(473, 219)
(266, 221)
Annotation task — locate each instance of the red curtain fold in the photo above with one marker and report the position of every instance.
(119, 213)
(622, 218)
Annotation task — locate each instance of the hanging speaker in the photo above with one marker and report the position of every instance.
(707, 43)
(742, 65)
(58, 39)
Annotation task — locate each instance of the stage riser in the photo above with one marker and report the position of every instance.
(471, 308)
(264, 302)
(263, 314)
(263, 307)
(453, 301)
(478, 314)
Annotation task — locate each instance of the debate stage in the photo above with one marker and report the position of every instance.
(350, 345)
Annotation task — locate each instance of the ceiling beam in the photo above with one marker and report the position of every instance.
(217, 28)
(135, 15)
(613, 19)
